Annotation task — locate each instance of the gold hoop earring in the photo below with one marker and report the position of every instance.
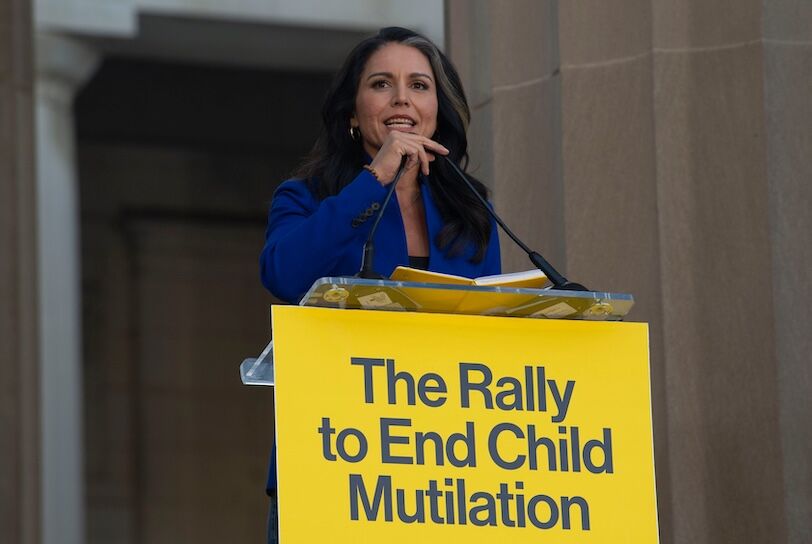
(355, 134)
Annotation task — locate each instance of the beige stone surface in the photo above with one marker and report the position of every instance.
(473, 62)
(480, 148)
(20, 504)
(700, 23)
(788, 78)
(691, 122)
(717, 303)
(592, 31)
(788, 20)
(472, 58)
(610, 198)
(523, 47)
(527, 165)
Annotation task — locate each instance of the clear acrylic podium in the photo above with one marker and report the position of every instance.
(385, 295)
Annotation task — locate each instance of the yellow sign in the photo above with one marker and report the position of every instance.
(404, 427)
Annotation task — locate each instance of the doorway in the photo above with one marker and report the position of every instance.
(177, 165)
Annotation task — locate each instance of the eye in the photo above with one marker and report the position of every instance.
(380, 84)
(420, 85)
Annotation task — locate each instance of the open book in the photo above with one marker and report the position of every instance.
(530, 279)
(452, 301)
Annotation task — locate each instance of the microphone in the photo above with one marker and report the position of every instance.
(367, 271)
(559, 281)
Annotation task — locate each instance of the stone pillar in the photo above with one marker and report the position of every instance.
(718, 317)
(610, 209)
(20, 506)
(508, 59)
(685, 130)
(788, 108)
(62, 66)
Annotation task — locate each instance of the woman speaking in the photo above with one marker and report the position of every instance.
(395, 96)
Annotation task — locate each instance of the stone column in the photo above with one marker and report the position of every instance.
(508, 60)
(718, 314)
(610, 209)
(788, 107)
(685, 130)
(20, 506)
(62, 66)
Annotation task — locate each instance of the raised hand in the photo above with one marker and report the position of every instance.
(419, 150)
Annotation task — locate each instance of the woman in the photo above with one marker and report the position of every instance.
(396, 96)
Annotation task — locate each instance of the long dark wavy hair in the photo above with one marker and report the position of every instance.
(336, 158)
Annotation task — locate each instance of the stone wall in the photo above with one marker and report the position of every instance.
(787, 52)
(666, 149)
(19, 384)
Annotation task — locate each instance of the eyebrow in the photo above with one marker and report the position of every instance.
(390, 74)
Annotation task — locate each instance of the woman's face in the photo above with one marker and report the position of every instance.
(397, 91)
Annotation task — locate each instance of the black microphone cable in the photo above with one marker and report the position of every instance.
(559, 281)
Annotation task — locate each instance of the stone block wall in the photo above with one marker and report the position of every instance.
(666, 150)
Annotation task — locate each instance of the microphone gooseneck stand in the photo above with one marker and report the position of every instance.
(559, 281)
(367, 271)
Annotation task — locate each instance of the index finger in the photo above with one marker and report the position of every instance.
(435, 146)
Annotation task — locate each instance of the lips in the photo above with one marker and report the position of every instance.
(400, 121)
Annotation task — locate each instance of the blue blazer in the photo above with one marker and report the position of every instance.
(308, 239)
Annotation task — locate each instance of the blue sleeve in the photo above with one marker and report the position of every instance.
(492, 262)
(305, 237)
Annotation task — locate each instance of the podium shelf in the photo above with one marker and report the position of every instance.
(387, 295)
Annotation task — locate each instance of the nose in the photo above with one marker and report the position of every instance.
(401, 97)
